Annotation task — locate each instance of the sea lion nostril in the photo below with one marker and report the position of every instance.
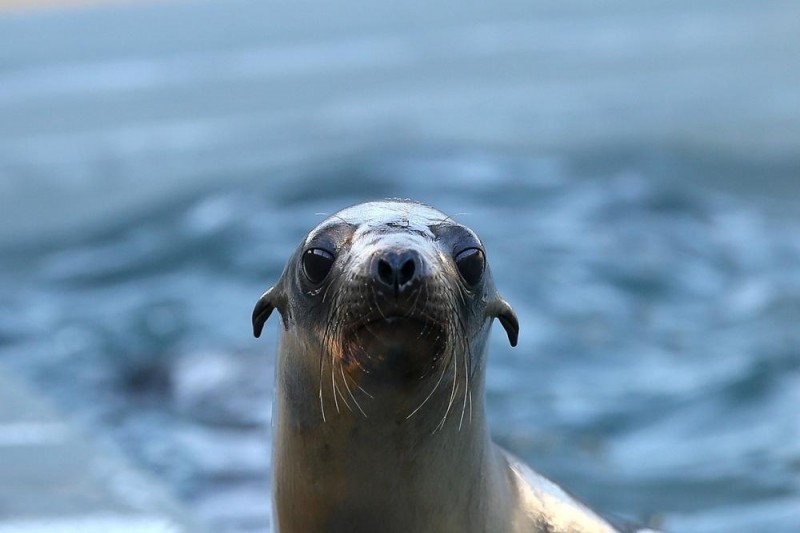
(386, 272)
(407, 272)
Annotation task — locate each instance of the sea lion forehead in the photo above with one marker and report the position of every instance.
(393, 213)
(400, 214)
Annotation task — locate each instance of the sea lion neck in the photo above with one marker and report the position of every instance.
(359, 471)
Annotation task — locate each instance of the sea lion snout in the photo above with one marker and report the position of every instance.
(396, 271)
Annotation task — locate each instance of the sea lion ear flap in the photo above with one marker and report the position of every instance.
(264, 307)
(507, 317)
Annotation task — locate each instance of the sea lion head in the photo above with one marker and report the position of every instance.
(388, 294)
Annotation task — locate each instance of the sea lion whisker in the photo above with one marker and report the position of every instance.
(335, 323)
(467, 356)
(467, 359)
(454, 359)
(333, 380)
(428, 397)
(328, 334)
(333, 392)
(364, 391)
(339, 391)
(327, 290)
(322, 404)
(469, 393)
(413, 307)
(321, 396)
(460, 294)
(350, 392)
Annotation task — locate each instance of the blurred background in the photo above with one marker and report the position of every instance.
(633, 168)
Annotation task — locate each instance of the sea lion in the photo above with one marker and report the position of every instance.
(379, 419)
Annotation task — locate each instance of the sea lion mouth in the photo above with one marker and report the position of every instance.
(395, 345)
(392, 320)
(399, 332)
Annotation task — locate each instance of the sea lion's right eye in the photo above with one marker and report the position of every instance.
(317, 262)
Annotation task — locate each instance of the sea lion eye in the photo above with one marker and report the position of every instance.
(317, 262)
(470, 263)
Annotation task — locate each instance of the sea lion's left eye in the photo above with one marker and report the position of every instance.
(470, 263)
(317, 262)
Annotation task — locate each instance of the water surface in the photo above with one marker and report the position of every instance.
(657, 373)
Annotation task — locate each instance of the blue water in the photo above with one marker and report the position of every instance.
(658, 370)
(159, 162)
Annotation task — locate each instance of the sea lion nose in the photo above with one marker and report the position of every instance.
(396, 271)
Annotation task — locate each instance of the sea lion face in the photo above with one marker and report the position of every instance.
(390, 291)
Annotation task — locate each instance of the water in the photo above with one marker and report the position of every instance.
(157, 171)
(657, 374)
